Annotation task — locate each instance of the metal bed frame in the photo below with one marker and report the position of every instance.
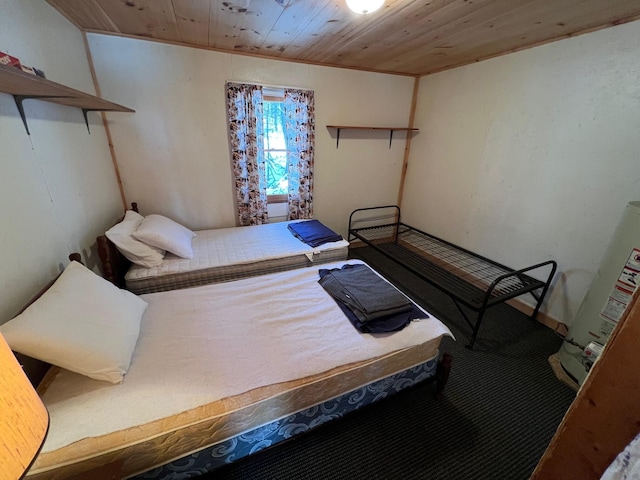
(468, 278)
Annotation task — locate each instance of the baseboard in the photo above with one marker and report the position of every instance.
(542, 317)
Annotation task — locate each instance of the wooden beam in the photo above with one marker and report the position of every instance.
(407, 145)
(105, 122)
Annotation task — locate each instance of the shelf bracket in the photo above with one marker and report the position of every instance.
(18, 99)
(338, 138)
(86, 120)
(390, 137)
(21, 98)
(86, 110)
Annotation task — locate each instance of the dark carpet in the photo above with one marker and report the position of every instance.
(501, 407)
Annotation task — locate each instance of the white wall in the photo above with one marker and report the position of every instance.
(522, 158)
(173, 152)
(533, 155)
(57, 186)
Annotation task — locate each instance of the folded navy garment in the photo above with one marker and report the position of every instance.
(370, 303)
(313, 233)
(390, 323)
(367, 294)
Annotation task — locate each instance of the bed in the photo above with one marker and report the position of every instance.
(470, 280)
(220, 255)
(626, 465)
(162, 423)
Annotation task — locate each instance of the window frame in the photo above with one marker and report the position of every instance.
(283, 197)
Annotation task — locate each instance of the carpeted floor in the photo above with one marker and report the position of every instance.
(498, 413)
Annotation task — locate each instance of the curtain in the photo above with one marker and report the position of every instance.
(244, 110)
(299, 111)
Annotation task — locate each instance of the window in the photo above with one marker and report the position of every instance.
(284, 160)
(275, 147)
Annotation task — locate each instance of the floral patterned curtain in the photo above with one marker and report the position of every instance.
(244, 110)
(299, 109)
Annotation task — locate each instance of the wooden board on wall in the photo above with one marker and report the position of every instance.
(605, 416)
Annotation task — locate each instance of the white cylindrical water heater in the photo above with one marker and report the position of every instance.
(607, 298)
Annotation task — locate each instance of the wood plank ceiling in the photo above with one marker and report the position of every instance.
(404, 37)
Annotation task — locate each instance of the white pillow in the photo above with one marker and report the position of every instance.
(164, 233)
(135, 250)
(82, 323)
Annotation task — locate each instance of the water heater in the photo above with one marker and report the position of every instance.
(607, 298)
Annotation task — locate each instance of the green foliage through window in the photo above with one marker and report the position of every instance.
(275, 147)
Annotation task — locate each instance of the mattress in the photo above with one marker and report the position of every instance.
(284, 428)
(206, 368)
(227, 254)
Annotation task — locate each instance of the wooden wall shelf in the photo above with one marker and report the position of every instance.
(388, 129)
(23, 86)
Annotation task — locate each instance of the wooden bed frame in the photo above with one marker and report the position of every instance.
(467, 278)
(36, 369)
(114, 265)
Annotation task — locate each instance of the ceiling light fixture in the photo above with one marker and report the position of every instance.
(365, 6)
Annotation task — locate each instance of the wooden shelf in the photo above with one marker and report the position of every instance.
(387, 129)
(24, 86)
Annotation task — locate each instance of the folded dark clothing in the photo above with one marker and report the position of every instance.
(366, 294)
(390, 323)
(313, 233)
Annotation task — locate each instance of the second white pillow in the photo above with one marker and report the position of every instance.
(162, 232)
(121, 235)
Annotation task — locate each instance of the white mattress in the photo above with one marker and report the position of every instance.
(202, 344)
(234, 246)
